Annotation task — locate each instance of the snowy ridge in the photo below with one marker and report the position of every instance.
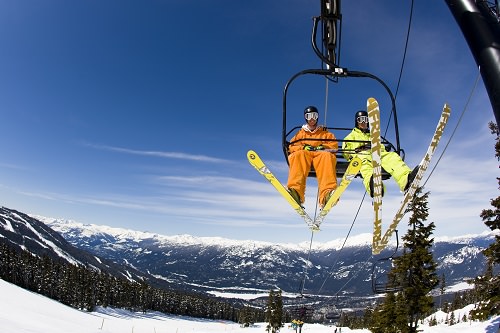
(218, 265)
(22, 225)
(65, 226)
(51, 244)
(466, 239)
(21, 231)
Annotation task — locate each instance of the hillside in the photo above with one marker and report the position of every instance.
(23, 311)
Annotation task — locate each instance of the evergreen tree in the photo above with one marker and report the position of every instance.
(274, 311)
(246, 317)
(367, 317)
(384, 315)
(279, 310)
(417, 263)
(415, 274)
(488, 285)
(442, 289)
(451, 321)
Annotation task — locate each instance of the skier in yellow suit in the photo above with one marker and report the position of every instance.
(312, 146)
(391, 161)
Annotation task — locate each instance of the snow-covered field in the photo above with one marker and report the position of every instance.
(22, 311)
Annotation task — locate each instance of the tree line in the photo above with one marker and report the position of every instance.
(85, 288)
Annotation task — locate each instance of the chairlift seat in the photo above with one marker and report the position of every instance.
(342, 163)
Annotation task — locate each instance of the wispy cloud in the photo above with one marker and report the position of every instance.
(13, 166)
(160, 154)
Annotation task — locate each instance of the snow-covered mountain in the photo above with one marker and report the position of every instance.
(224, 265)
(23, 232)
(229, 267)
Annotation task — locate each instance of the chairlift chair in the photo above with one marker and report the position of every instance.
(329, 54)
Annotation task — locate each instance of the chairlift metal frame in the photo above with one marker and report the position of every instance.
(342, 163)
(329, 56)
(385, 286)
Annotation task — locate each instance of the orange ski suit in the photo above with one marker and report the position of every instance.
(303, 155)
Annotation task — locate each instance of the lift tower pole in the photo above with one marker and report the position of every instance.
(480, 25)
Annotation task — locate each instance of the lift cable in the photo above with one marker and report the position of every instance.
(402, 62)
(342, 247)
(302, 287)
(304, 277)
(456, 126)
(388, 122)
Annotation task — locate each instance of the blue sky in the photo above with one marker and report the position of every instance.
(139, 114)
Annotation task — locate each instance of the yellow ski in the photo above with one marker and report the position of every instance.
(379, 241)
(374, 120)
(350, 173)
(261, 167)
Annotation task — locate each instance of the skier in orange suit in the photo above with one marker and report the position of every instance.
(313, 146)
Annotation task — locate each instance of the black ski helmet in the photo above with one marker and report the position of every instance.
(360, 113)
(310, 109)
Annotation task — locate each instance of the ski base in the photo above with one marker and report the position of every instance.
(349, 175)
(261, 167)
(374, 121)
(379, 243)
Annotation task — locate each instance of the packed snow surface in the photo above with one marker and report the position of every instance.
(22, 311)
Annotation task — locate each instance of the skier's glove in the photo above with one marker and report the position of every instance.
(363, 147)
(308, 147)
(320, 147)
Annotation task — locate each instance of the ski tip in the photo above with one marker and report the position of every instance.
(315, 228)
(371, 100)
(251, 155)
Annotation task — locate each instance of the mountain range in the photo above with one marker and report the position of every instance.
(224, 265)
(231, 267)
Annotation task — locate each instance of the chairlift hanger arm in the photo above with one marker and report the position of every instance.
(331, 58)
(332, 19)
(384, 287)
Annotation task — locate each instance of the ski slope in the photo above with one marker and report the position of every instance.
(22, 311)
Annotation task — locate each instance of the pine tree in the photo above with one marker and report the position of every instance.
(383, 316)
(274, 312)
(245, 317)
(417, 263)
(442, 289)
(414, 273)
(488, 285)
(452, 319)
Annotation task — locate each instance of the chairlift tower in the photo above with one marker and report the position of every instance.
(479, 21)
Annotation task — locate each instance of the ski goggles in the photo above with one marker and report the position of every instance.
(362, 119)
(311, 115)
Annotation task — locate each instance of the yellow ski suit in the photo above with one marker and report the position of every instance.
(324, 162)
(391, 161)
